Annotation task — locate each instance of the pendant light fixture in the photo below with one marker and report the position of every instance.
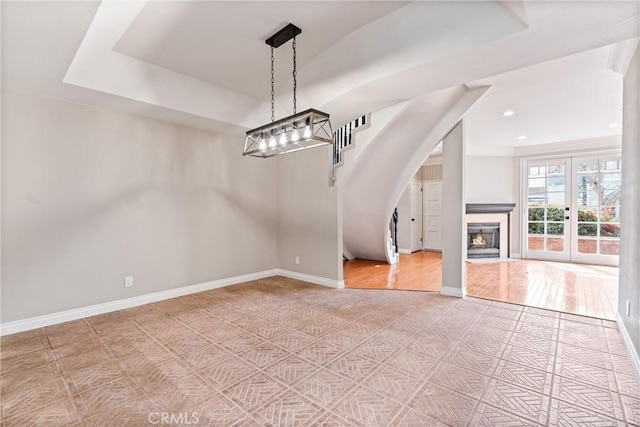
(308, 129)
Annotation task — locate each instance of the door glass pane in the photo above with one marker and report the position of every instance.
(536, 186)
(588, 198)
(610, 165)
(610, 176)
(534, 202)
(536, 214)
(610, 214)
(556, 199)
(555, 183)
(536, 228)
(536, 171)
(609, 230)
(555, 244)
(587, 214)
(587, 182)
(610, 197)
(590, 230)
(610, 247)
(555, 169)
(587, 165)
(587, 246)
(536, 243)
(610, 181)
(610, 186)
(555, 212)
(555, 228)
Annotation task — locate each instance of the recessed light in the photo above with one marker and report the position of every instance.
(508, 113)
(614, 125)
(522, 137)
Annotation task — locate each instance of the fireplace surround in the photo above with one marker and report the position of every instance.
(488, 230)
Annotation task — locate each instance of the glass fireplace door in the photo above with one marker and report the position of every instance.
(548, 211)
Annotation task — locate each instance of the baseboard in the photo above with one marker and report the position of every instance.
(346, 254)
(631, 350)
(517, 256)
(452, 292)
(405, 251)
(339, 284)
(22, 325)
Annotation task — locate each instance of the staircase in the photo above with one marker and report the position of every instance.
(373, 173)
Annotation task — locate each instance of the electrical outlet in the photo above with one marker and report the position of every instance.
(128, 281)
(297, 260)
(628, 308)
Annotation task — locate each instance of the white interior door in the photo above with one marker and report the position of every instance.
(416, 216)
(548, 212)
(432, 208)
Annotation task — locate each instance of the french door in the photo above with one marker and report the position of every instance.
(548, 209)
(573, 209)
(598, 184)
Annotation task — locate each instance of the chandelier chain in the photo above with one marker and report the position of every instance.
(295, 76)
(273, 116)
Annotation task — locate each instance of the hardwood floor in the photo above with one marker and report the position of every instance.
(420, 271)
(588, 290)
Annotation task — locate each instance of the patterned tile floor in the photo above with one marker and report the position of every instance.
(278, 352)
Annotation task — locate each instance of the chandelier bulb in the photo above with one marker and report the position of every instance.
(307, 132)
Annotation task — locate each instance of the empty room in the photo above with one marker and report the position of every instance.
(312, 213)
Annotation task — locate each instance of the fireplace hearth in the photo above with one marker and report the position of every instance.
(483, 240)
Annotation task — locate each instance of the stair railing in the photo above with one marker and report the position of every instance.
(342, 138)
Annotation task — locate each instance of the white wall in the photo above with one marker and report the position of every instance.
(454, 249)
(90, 196)
(629, 287)
(308, 214)
(489, 179)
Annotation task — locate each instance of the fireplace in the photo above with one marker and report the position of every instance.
(483, 240)
(488, 230)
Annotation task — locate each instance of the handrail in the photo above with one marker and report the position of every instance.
(342, 137)
(393, 228)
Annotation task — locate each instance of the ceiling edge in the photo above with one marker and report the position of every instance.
(621, 54)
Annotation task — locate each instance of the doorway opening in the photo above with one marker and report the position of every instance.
(584, 282)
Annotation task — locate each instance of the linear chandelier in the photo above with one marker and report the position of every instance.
(300, 131)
